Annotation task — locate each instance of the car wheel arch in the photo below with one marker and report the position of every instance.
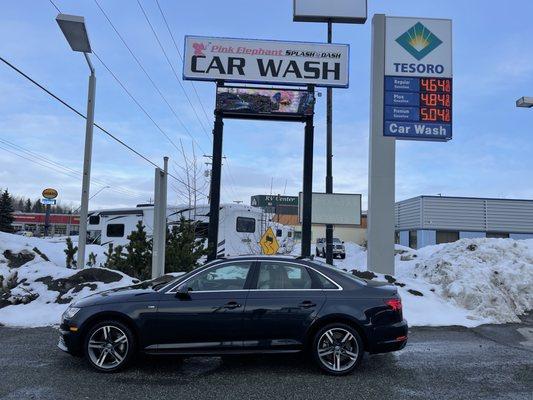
(337, 318)
(111, 316)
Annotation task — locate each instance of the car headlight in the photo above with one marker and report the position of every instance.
(70, 312)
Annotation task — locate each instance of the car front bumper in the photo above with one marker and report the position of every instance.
(69, 342)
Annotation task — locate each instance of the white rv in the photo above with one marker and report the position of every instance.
(239, 232)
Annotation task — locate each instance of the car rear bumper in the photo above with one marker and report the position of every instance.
(390, 337)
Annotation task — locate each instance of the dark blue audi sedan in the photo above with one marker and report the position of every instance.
(242, 305)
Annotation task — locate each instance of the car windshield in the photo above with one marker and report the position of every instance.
(344, 273)
(336, 240)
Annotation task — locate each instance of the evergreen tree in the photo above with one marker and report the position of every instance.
(37, 207)
(139, 254)
(20, 204)
(27, 206)
(6, 212)
(183, 250)
(70, 251)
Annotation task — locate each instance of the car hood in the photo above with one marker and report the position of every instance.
(120, 295)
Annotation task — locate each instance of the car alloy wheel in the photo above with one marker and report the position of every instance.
(108, 346)
(338, 349)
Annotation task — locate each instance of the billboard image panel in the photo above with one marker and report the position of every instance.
(265, 61)
(271, 102)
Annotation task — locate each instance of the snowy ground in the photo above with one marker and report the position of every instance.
(469, 282)
(33, 281)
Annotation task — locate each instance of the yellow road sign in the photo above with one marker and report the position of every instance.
(269, 244)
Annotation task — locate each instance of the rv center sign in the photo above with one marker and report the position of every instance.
(265, 61)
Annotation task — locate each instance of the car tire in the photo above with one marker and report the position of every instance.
(343, 256)
(317, 253)
(109, 346)
(337, 358)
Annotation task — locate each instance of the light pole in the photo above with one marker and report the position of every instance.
(525, 102)
(93, 196)
(73, 27)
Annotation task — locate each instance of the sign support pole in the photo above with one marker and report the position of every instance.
(307, 191)
(214, 192)
(47, 220)
(329, 159)
(381, 173)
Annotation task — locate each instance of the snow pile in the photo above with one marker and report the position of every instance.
(491, 278)
(469, 282)
(35, 285)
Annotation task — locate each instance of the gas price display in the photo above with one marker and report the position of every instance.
(419, 105)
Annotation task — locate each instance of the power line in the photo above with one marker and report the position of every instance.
(84, 117)
(172, 67)
(72, 172)
(181, 58)
(77, 112)
(143, 69)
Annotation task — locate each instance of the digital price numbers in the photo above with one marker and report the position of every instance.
(418, 105)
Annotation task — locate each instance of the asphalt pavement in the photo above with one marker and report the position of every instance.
(489, 362)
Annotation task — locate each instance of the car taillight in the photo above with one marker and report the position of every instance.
(394, 304)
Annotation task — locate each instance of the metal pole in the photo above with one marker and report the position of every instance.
(381, 171)
(214, 192)
(163, 222)
(47, 220)
(329, 159)
(307, 191)
(86, 182)
(156, 237)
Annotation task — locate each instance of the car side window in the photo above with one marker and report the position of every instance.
(326, 283)
(283, 276)
(230, 276)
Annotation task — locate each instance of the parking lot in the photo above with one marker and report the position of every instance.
(492, 362)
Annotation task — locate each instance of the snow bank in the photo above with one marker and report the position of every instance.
(37, 287)
(469, 282)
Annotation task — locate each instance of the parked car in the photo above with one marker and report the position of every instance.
(338, 248)
(25, 233)
(252, 304)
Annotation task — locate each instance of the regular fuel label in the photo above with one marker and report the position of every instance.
(418, 108)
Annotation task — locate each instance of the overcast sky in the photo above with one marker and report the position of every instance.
(489, 156)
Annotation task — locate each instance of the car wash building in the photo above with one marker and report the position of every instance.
(429, 220)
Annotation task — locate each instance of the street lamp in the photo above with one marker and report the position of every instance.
(525, 102)
(73, 27)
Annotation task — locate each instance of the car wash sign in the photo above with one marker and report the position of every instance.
(265, 61)
(418, 79)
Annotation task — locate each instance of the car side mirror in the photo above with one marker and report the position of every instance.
(183, 291)
(343, 242)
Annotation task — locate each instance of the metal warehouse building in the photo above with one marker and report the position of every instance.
(428, 220)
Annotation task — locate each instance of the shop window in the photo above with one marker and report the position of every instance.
(497, 235)
(447, 236)
(413, 239)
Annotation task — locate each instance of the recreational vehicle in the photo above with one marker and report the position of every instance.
(239, 232)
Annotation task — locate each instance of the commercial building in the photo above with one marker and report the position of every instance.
(428, 220)
(60, 224)
(284, 209)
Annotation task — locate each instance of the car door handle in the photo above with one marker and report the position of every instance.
(307, 304)
(232, 305)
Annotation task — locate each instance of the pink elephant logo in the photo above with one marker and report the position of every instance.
(198, 49)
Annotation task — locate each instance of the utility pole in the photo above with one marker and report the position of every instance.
(160, 220)
(329, 159)
(214, 191)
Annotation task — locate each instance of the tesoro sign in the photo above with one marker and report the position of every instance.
(265, 61)
(49, 193)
